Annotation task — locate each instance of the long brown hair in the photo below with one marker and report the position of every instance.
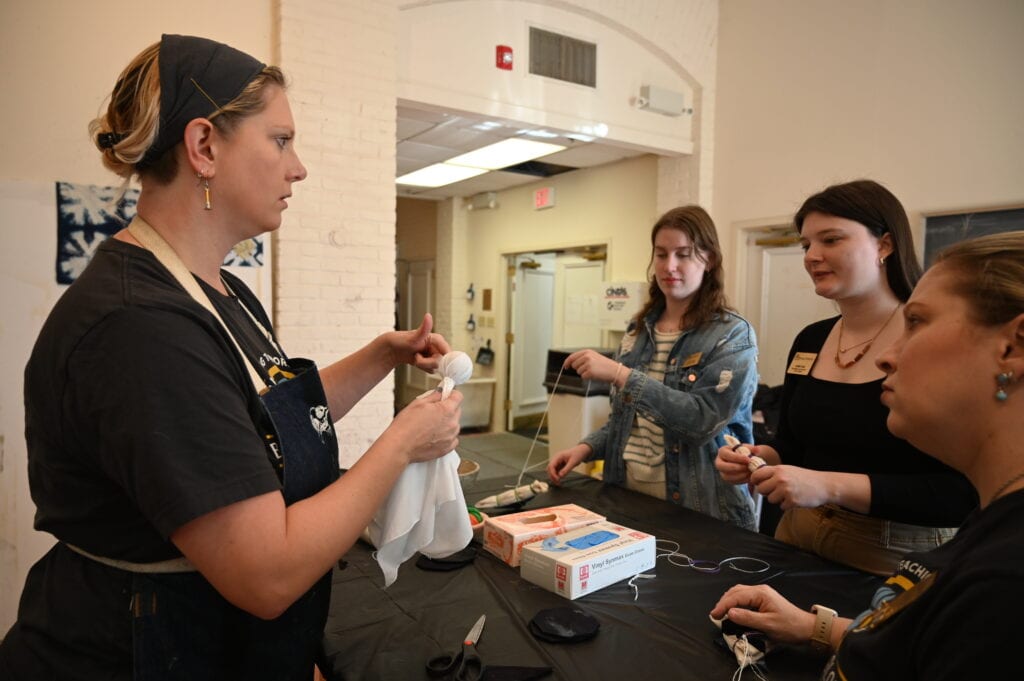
(872, 205)
(709, 300)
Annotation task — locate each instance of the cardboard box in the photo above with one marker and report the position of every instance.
(585, 560)
(505, 536)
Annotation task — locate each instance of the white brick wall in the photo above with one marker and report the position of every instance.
(335, 253)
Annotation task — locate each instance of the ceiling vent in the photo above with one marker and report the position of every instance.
(558, 56)
(537, 168)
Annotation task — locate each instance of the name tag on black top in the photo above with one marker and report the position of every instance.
(802, 363)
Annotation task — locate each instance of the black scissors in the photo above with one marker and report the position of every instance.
(465, 664)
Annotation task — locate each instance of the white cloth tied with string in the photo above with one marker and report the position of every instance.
(426, 510)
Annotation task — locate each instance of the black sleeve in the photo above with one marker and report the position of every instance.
(170, 410)
(941, 498)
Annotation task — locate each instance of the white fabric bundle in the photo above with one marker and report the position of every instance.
(513, 496)
(426, 510)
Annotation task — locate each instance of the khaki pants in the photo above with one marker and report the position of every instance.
(869, 544)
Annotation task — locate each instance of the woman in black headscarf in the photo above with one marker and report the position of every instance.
(185, 463)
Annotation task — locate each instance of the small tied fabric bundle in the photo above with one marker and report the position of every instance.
(426, 510)
(750, 647)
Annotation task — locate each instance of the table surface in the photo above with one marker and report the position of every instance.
(377, 633)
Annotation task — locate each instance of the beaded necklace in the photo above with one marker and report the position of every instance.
(866, 344)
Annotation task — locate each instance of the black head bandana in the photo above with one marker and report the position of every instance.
(197, 78)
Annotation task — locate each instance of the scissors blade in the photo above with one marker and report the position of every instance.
(474, 634)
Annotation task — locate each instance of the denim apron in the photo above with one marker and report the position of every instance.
(182, 628)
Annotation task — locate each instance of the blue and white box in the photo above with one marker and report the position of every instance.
(587, 559)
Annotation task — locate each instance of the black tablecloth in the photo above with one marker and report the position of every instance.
(376, 633)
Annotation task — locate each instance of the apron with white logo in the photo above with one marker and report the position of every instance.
(182, 627)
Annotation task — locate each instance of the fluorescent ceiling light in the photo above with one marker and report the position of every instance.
(505, 153)
(542, 134)
(439, 175)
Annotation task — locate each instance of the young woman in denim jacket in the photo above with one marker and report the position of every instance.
(684, 376)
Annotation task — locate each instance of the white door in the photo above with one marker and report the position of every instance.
(531, 303)
(415, 298)
(788, 304)
(577, 300)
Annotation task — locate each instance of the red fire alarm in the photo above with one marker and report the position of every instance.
(503, 57)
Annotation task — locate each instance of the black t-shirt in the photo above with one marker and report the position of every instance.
(955, 611)
(140, 416)
(830, 426)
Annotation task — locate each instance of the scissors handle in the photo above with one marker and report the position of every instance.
(465, 666)
(472, 667)
(443, 665)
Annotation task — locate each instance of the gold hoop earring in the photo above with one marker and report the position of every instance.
(206, 191)
(881, 261)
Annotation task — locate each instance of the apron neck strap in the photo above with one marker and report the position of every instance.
(152, 241)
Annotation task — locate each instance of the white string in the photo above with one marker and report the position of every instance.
(540, 426)
(708, 566)
(632, 583)
(746, 663)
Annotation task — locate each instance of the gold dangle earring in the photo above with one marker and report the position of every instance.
(206, 191)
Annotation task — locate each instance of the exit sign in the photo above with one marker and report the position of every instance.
(544, 198)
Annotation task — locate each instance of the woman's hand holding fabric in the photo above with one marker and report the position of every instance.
(792, 486)
(430, 426)
(761, 607)
(733, 463)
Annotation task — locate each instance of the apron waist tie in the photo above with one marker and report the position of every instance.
(181, 564)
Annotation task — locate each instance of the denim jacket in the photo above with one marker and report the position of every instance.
(708, 390)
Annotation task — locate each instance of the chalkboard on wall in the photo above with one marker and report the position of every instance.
(947, 229)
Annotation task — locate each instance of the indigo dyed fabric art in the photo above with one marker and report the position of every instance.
(86, 216)
(248, 253)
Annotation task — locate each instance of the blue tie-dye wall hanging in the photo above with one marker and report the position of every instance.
(87, 215)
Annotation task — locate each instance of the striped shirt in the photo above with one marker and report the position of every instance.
(645, 448)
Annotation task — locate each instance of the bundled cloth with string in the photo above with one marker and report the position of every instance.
(516, 495)
(426, 510)
(748, 645)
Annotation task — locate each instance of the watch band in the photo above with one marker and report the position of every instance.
(821, 636)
